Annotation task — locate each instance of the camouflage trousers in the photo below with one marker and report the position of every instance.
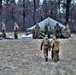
(52, 54)
(66, 34)
(46, 53)
(36, 35)
(16, 34)
(48, 33)
(3, 34)
(57, 34)
(56, 55)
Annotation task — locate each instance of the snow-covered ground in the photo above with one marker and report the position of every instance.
(24, 57)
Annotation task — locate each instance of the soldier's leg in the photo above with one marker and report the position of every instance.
(15, 35)
(55, 56)
(52, 54)
(48, 34)
(58, 34)
(3, 34)
(67, 34)
(35, 35)
(46, 54)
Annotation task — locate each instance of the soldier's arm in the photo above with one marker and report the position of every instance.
(14, 28)
(52, 44)
(58, 41)
(18, 27)
(65, 28)
(49, 44)
(41, 45)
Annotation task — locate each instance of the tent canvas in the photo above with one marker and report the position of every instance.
(52, 23)
(48, 20)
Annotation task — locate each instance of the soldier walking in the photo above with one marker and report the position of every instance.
(3, 30)
(55, 49)
(46, 46)
(16, 29)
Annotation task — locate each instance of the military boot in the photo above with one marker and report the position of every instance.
(56, 59)
(46, 59)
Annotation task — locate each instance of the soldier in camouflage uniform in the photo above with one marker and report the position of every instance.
(37, 31)
(55, 49)
(47, 30)
(33, 32)
(3, 30)
(66, 30)
(46, 46)
(16, 29)
(57, 30)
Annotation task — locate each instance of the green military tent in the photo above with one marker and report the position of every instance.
(52, 23)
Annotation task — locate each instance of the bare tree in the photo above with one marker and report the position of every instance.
(34, 11)
(51, 9)
(59, 10)
(45, 8)
(67, 9)
(1, 10)
(0, 4)
(23, 15)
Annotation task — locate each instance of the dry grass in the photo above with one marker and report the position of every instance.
(23, 57)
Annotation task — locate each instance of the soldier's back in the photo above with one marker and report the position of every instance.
(56, 45)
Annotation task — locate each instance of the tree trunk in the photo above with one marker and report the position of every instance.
(0, 4)
(59, 10)
(24, 15)
(34, 12)
(67, 10)
(7, 1)
(45, 9)
(1, 10)
(51, 9)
